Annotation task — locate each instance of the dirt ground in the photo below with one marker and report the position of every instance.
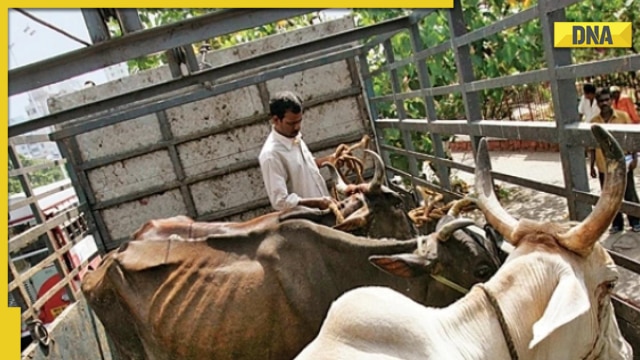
(527, 203)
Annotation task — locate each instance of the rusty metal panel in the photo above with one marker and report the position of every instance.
(222, 150)
(314, 82)
(131, 175)
(75, 334)
(119, 138)
(124, 219)
(214, 112)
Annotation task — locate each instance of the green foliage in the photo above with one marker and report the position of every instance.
(515, 50)
(37, 178)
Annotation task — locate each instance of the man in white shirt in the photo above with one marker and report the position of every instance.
(588, 106)
(291, 174)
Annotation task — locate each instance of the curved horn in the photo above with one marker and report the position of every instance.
(378, 177)
(447, 230)
(495, 214)
(581, 238)
(341, 186)
(459, 205)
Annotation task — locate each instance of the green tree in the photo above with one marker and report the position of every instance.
(515, 50)
(38, 178)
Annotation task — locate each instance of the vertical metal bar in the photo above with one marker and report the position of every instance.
(573, 161)
(81, 193)
(177, 164)
(465, 70)
(402, 113)
(425, 83)
(192, 60)
(98, 30)
(129, 20)
(83, 180)
(373, 111)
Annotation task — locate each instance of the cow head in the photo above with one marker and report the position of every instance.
(559, 276)
(456, 257)
(382, 213)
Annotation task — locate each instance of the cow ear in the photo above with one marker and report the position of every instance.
(568, 301)
(402, 265)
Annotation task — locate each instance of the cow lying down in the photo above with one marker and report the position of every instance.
(550, 299)
(263, 294)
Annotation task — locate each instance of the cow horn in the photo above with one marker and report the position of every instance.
(378, 178)
(341, 186)
(495, 214)
(458, 205)
(583, 236)
(447, 230)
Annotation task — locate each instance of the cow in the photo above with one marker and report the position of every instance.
(549, 300)
(374, 211)
(263, 294)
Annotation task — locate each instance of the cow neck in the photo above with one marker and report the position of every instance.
(503, 322)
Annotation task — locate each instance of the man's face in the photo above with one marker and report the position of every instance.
(590, 96)
(290, 124)
(615, 95)
(604, 102)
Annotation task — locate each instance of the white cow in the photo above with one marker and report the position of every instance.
(550, 300)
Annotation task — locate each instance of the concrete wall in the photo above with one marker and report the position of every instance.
(206, 164)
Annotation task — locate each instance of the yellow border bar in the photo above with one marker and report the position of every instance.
(9, 317)
(287, 4)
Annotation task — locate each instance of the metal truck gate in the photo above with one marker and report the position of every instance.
(344, 45)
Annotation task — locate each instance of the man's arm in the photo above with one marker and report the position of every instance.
(275, 183)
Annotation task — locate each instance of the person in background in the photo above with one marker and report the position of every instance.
(609, 115)
(623, 103)
(588, 106)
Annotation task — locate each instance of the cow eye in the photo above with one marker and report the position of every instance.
(610, 285)
(483, 271)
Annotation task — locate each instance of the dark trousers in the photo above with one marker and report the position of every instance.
(630, 195)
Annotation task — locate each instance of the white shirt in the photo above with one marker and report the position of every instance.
(588, 110)
(289, 171)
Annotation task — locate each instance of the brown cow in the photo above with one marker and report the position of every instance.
(376, 211)
(263, 294)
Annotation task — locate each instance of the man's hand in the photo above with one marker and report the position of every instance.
(633, 164)
(321, 203)
(593, 172)
(356, 188)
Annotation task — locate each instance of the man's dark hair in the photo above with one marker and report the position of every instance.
(589, 88)
(283, 101)
(602, 91)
